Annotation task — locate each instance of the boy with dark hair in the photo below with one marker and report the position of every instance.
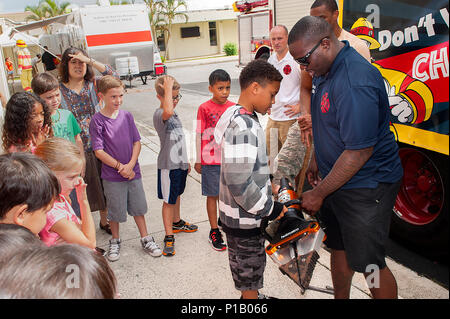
(331, 5)
(245, 195)
(208, 152)
(64, 123)
(27, 190)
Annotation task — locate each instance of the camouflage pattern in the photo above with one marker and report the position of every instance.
(247, 261)
(289, 160)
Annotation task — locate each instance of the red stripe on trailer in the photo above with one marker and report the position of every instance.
(118, 38)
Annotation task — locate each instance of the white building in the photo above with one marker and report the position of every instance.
(205, 33)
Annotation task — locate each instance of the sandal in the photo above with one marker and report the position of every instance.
(106, 228)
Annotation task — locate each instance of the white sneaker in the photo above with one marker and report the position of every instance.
(150, 247)
(114, 249)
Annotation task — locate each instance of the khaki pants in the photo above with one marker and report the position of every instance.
(276, 134)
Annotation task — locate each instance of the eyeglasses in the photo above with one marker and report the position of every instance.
(177, 98)
(304, 60)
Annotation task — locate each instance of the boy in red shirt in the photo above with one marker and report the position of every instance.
(208, 152)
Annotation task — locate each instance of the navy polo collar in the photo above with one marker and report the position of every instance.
(339, 58)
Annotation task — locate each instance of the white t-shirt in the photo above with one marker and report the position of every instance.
(289, 92)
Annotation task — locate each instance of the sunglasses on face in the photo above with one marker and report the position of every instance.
(177, 98)
(304, 59)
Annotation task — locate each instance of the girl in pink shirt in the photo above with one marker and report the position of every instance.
(66, 161)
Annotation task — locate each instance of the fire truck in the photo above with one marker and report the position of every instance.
(253, 29)
(258, 17)
(408, 40)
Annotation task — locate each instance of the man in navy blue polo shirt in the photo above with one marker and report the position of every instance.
(355, 153)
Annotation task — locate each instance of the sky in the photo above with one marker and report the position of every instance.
(19, 5)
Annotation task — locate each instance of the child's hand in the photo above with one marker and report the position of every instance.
(168, 84)
(126, 171)
(198, 167)
(80, 189)
(41, 135)
(189, 168)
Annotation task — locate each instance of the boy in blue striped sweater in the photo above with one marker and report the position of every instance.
(245, 195)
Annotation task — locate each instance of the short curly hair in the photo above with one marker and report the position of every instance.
(259, 71)
(18, 112)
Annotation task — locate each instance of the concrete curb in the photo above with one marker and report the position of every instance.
(201, 61)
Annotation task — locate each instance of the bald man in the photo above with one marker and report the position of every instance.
(285, 111)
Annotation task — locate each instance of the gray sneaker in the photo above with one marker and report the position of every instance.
(114, 249)
(150, 247)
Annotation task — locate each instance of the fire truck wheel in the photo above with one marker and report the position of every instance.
(420, 215)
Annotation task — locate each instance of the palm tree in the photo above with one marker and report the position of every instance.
(38, 13)
(154, 15)
(169, 11)
(46, 9)
(53, 8)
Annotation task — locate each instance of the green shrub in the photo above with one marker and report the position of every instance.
(230, 48)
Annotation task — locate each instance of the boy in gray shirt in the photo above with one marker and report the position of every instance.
(173, 164)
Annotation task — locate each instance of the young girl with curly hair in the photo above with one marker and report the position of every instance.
(27, 123)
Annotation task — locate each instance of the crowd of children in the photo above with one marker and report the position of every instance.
(53, 139)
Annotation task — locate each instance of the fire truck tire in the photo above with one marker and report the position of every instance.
(429, 236)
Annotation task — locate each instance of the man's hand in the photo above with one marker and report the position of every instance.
(311, 202)
(305, 123)
(292, 109)
(198, 167)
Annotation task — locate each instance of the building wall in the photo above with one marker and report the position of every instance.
(200, 46)
(228, 32)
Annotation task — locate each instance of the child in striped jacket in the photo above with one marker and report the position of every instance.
(245, 195)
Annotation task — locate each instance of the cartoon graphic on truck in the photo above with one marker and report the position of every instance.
(410, 99)
(409, 46)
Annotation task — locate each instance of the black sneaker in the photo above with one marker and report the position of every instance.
(215, 238)
(183, 226)
(169, 248)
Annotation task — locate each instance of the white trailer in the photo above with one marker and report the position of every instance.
(112, 35)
